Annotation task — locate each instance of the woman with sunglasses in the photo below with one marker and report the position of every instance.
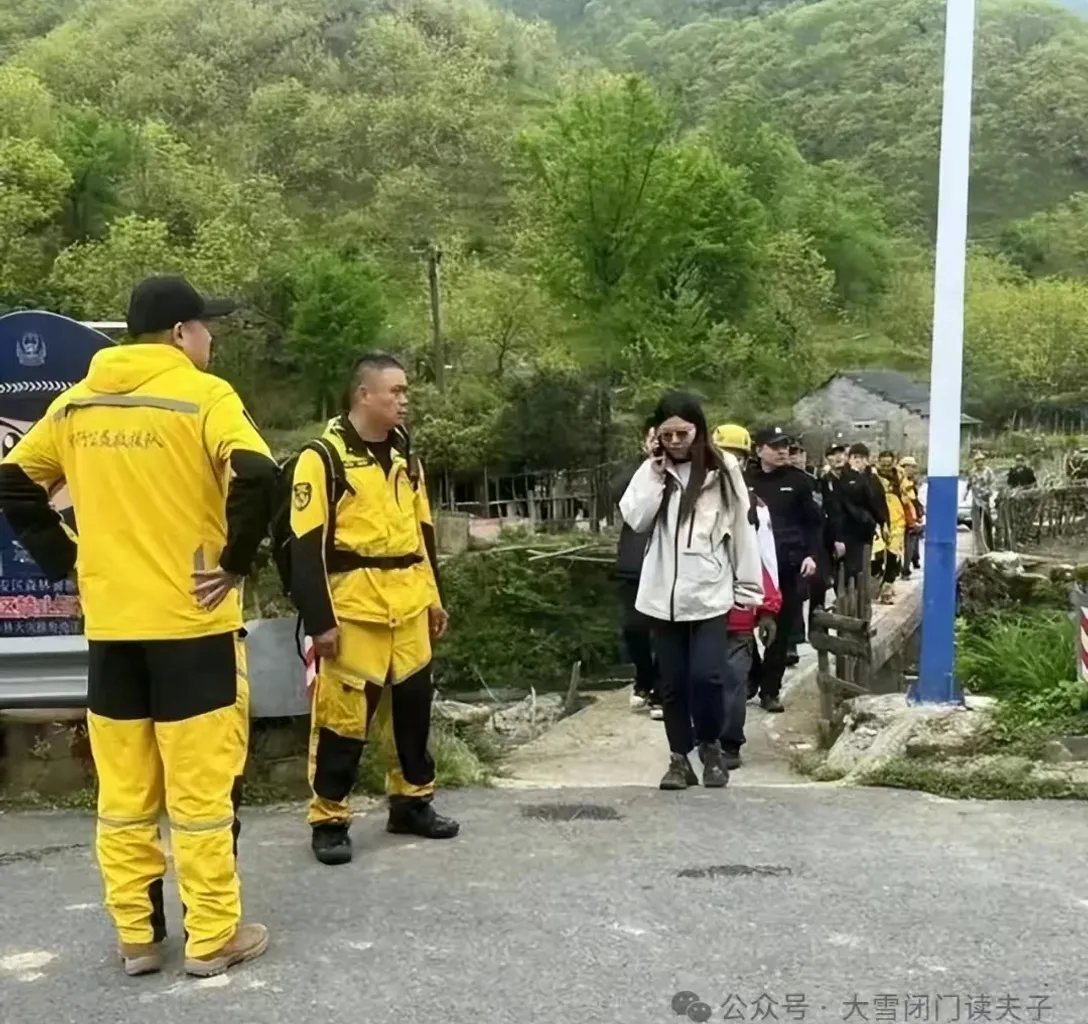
(702, 560)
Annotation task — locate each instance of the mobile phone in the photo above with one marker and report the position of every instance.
(657, 449)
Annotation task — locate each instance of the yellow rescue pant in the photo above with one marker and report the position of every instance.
(169, 728)
(347, 694)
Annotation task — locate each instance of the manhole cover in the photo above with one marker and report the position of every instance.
(571, 812)
(736, 871)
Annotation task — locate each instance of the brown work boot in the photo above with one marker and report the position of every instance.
(141, 957)
(249, 942)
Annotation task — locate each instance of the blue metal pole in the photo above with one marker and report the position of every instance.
(937, 672)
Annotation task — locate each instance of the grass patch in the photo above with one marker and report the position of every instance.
(997, 778)
(1026, 660)
(813, 765)
(462, 757)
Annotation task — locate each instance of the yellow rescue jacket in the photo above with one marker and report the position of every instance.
(897, 520)
(146, 444)
(378, 564)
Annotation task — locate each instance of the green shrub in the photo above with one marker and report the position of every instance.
(516, 623)
(1027, 661)
(1016, 656)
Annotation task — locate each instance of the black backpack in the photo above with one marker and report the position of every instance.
(280, 527)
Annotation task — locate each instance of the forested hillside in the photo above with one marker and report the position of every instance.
(735, 196)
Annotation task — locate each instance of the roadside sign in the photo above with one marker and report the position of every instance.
(41, 355)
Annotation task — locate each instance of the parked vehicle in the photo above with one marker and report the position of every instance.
(963, 501)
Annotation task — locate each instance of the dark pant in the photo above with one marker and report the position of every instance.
(691, 657)
(886, 567)
(638, 640)
(774, 658)
(740, 653)
(986, 527)
(912, 555)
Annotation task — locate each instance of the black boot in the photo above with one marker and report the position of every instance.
(731, 759)
(331, 844)
(419, 818)
(680, 774)
(772, 704)
(792, 657)
(714, 774)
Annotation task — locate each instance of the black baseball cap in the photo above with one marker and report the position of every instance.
(776, 437)
(837, 444)
(158, 303)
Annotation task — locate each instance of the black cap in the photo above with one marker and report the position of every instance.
(158, 303)
(773, 436)
(836, 444)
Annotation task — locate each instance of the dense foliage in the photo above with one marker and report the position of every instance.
(735, 196)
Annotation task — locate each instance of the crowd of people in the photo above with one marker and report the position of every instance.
(724, 539)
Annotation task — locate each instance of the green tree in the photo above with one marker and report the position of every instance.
(33, 186)
(339, 314)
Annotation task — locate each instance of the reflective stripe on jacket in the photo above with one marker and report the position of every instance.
(166, 474)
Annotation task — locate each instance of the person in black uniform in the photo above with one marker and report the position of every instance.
(833, 548)
(630, 554)
(869, 495)
(1021, 475)
(797, 524)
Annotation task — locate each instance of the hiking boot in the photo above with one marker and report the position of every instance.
(141, 958)
(731, 759)
(249, 942)
(419, 818)
(887, 594)
(792, 657)
(714, 774)
(657, 712)
(331, 844)
(771, 704)
(680, 774)
(639, 701)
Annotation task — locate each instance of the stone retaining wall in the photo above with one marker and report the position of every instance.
(46, 756)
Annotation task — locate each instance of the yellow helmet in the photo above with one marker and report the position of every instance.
(732, 436)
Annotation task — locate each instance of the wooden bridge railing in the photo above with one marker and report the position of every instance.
(850, 644)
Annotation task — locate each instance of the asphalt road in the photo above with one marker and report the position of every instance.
(807, 904)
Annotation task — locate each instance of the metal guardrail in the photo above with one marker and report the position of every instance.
(50, 673)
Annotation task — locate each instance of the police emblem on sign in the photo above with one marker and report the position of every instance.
(30, 350)
(302, 495)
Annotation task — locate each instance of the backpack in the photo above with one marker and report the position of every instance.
(280, 527)
(336, 487)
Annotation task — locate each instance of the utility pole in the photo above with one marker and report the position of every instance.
(937, 682)
(434, 258)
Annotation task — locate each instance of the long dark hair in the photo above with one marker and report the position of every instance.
(704, 456)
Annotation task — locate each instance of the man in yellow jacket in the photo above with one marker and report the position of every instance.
(364, 578)
(172, 489)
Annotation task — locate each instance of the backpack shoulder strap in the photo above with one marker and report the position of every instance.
(403, 443)
(336, 482)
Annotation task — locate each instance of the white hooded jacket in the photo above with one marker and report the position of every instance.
(705, 566)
